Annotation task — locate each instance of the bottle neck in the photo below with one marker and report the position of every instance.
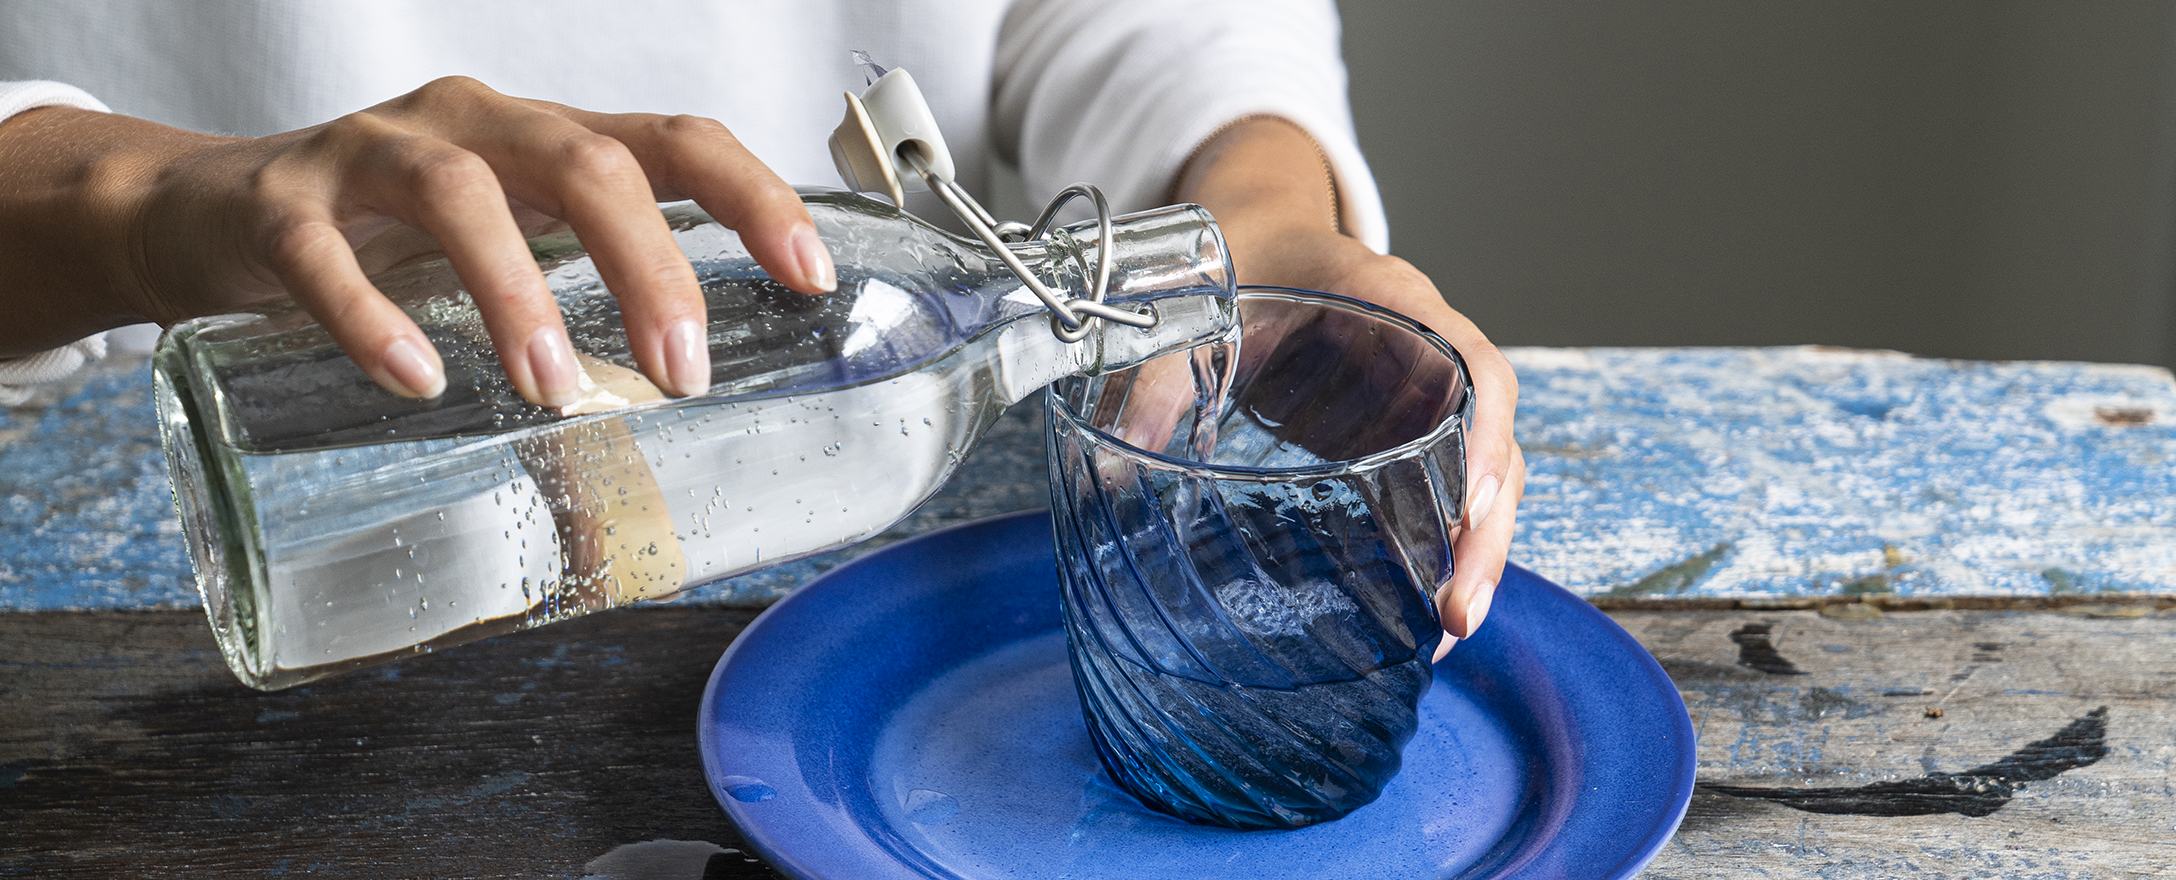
(1170, 261)
(1175, 250)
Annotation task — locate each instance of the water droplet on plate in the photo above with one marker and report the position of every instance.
(748, 789)
(930, 807)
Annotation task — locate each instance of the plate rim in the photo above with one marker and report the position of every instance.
(781, 859)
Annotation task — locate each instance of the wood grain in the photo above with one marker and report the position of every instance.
(127, 751)
(1879, 701)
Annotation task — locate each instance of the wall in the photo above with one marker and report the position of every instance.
(1967, 179)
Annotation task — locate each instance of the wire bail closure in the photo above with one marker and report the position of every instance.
(889, 125)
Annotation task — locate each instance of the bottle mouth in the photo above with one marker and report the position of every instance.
(1068, 399)
(1162, 252)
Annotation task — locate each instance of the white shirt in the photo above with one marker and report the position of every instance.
(1032, 95)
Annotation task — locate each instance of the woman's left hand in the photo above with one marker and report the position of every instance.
(1269, 186)
(1322, 259)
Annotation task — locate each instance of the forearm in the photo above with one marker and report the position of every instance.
(66, 184)
(1268, 185)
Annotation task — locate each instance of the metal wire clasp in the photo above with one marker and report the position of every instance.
(890, 124)
(1068, 318)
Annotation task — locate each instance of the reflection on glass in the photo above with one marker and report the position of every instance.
(1248, 540)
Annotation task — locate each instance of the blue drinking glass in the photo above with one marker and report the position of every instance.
(1247, 576)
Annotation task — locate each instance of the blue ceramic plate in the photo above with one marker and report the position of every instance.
(912, 715)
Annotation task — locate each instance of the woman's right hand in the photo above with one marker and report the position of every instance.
(169, 224)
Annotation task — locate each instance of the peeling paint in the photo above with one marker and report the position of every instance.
(1822, 471)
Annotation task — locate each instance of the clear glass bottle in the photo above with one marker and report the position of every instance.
(332, 524)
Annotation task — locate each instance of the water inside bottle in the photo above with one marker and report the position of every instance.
(450, 527)
(376, 549)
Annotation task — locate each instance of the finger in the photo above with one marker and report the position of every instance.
(1490, 443)
(453, 194)
(601, 190)
(697, 158)
(1146, 405)
(594, 183)
(315, 263)
(1479, 555)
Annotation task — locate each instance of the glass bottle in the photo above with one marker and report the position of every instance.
(332, 524)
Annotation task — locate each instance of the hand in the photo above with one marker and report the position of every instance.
(182, 224)
(1496, 470)
(1268, 184)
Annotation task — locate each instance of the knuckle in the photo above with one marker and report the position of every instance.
(1490, 369)
(780, 201)
(448, 172)
(453, 88)
(357, 123)
(1504, 379)
(685, 140)
(767, 202)
(291, 243)
(353, 128)
(1495, 448)
(672, 278)
(591, 155)
(689, 126)
(342, 312)
(514, 283)
(1397, 272)
(266, 183)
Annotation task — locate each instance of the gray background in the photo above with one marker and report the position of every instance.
(1968, 179)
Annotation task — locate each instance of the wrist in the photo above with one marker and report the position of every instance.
(1274, 248)
(71, 183)
(1272, 192)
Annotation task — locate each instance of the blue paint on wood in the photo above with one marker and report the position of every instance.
(1703, 473)
(86, 520)
(1828, 471)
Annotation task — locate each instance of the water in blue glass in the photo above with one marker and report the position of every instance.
(1251, 639)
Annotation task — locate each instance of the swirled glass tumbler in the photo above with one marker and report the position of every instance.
(1247, 576)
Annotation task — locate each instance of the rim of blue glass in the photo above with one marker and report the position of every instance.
(1454, 424)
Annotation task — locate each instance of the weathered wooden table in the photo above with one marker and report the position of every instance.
(1923, 614)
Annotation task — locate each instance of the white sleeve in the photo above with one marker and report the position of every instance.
(20, 376)
(1120, 93)
(16, 97)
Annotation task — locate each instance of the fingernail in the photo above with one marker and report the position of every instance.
(414, 369)
(815, 259)
(687, 358)
(1443, 648)
(552, 369)
(1477, 607)
(1483, 500)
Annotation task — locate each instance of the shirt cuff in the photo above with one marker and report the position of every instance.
(16, 97)
(21, 377)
